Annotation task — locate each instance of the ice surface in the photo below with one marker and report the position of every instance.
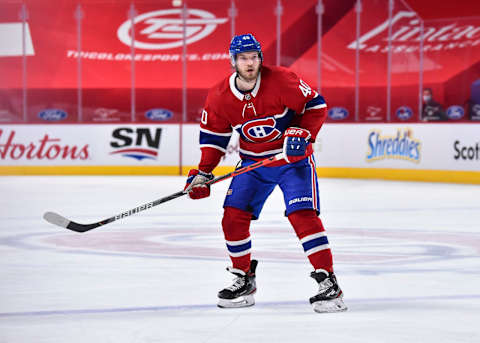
(407, 256)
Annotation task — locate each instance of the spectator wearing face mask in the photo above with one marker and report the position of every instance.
(432, 110)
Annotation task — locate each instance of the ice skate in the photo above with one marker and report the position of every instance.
(240, 293)
(329, 297)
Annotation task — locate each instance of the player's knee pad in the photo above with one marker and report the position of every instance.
(236, 224)
(305, 222)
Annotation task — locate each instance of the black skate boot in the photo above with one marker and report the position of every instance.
(240, 293)
(329, 296)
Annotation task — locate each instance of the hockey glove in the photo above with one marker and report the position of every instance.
(296, 146)
(195, 187)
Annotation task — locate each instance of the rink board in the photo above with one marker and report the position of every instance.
(426, 152)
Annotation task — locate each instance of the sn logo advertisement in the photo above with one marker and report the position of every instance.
(138, 143)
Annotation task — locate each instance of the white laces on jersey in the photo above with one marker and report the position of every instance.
(249, 105)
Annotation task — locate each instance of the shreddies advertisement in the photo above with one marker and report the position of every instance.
(416, 146)
(376, 146)
(400, 146)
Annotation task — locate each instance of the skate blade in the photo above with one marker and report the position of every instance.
(243, 301)
(328, 306)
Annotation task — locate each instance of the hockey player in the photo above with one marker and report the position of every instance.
(273, 111)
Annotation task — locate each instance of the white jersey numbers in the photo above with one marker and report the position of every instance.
(204, 117)
(305, 88)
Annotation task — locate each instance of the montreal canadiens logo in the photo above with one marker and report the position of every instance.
(163, 29)
(261, 130)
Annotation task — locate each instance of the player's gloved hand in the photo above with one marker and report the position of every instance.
(296, 145)
(194, 186)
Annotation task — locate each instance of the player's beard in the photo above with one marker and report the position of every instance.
(249, 76)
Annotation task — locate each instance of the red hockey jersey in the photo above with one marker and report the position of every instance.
(279, 100)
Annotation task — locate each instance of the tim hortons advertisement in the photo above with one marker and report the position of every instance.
(94, 145)
(46, 148)
(151, 34)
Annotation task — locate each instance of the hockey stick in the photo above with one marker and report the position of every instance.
(59, 220)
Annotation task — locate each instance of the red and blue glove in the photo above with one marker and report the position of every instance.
(296, 145)
(195, 186)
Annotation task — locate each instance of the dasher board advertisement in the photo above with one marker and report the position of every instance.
(89, 145)
(416, 146)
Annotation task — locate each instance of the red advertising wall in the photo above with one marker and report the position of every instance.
(48, 77)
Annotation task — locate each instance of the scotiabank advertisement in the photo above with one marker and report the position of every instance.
(122, 61)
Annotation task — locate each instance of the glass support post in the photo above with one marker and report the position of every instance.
(279, 13)
(78, 18)
(389, 60)
(131, 15)
(24, 17)
(358, 10)
(320, 10)
(420, 72)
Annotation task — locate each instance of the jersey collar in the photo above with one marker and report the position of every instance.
(239, 95)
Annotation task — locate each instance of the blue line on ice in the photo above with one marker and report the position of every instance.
(404, 300)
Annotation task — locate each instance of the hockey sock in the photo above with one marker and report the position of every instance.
(310, 231)
(236, 229)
